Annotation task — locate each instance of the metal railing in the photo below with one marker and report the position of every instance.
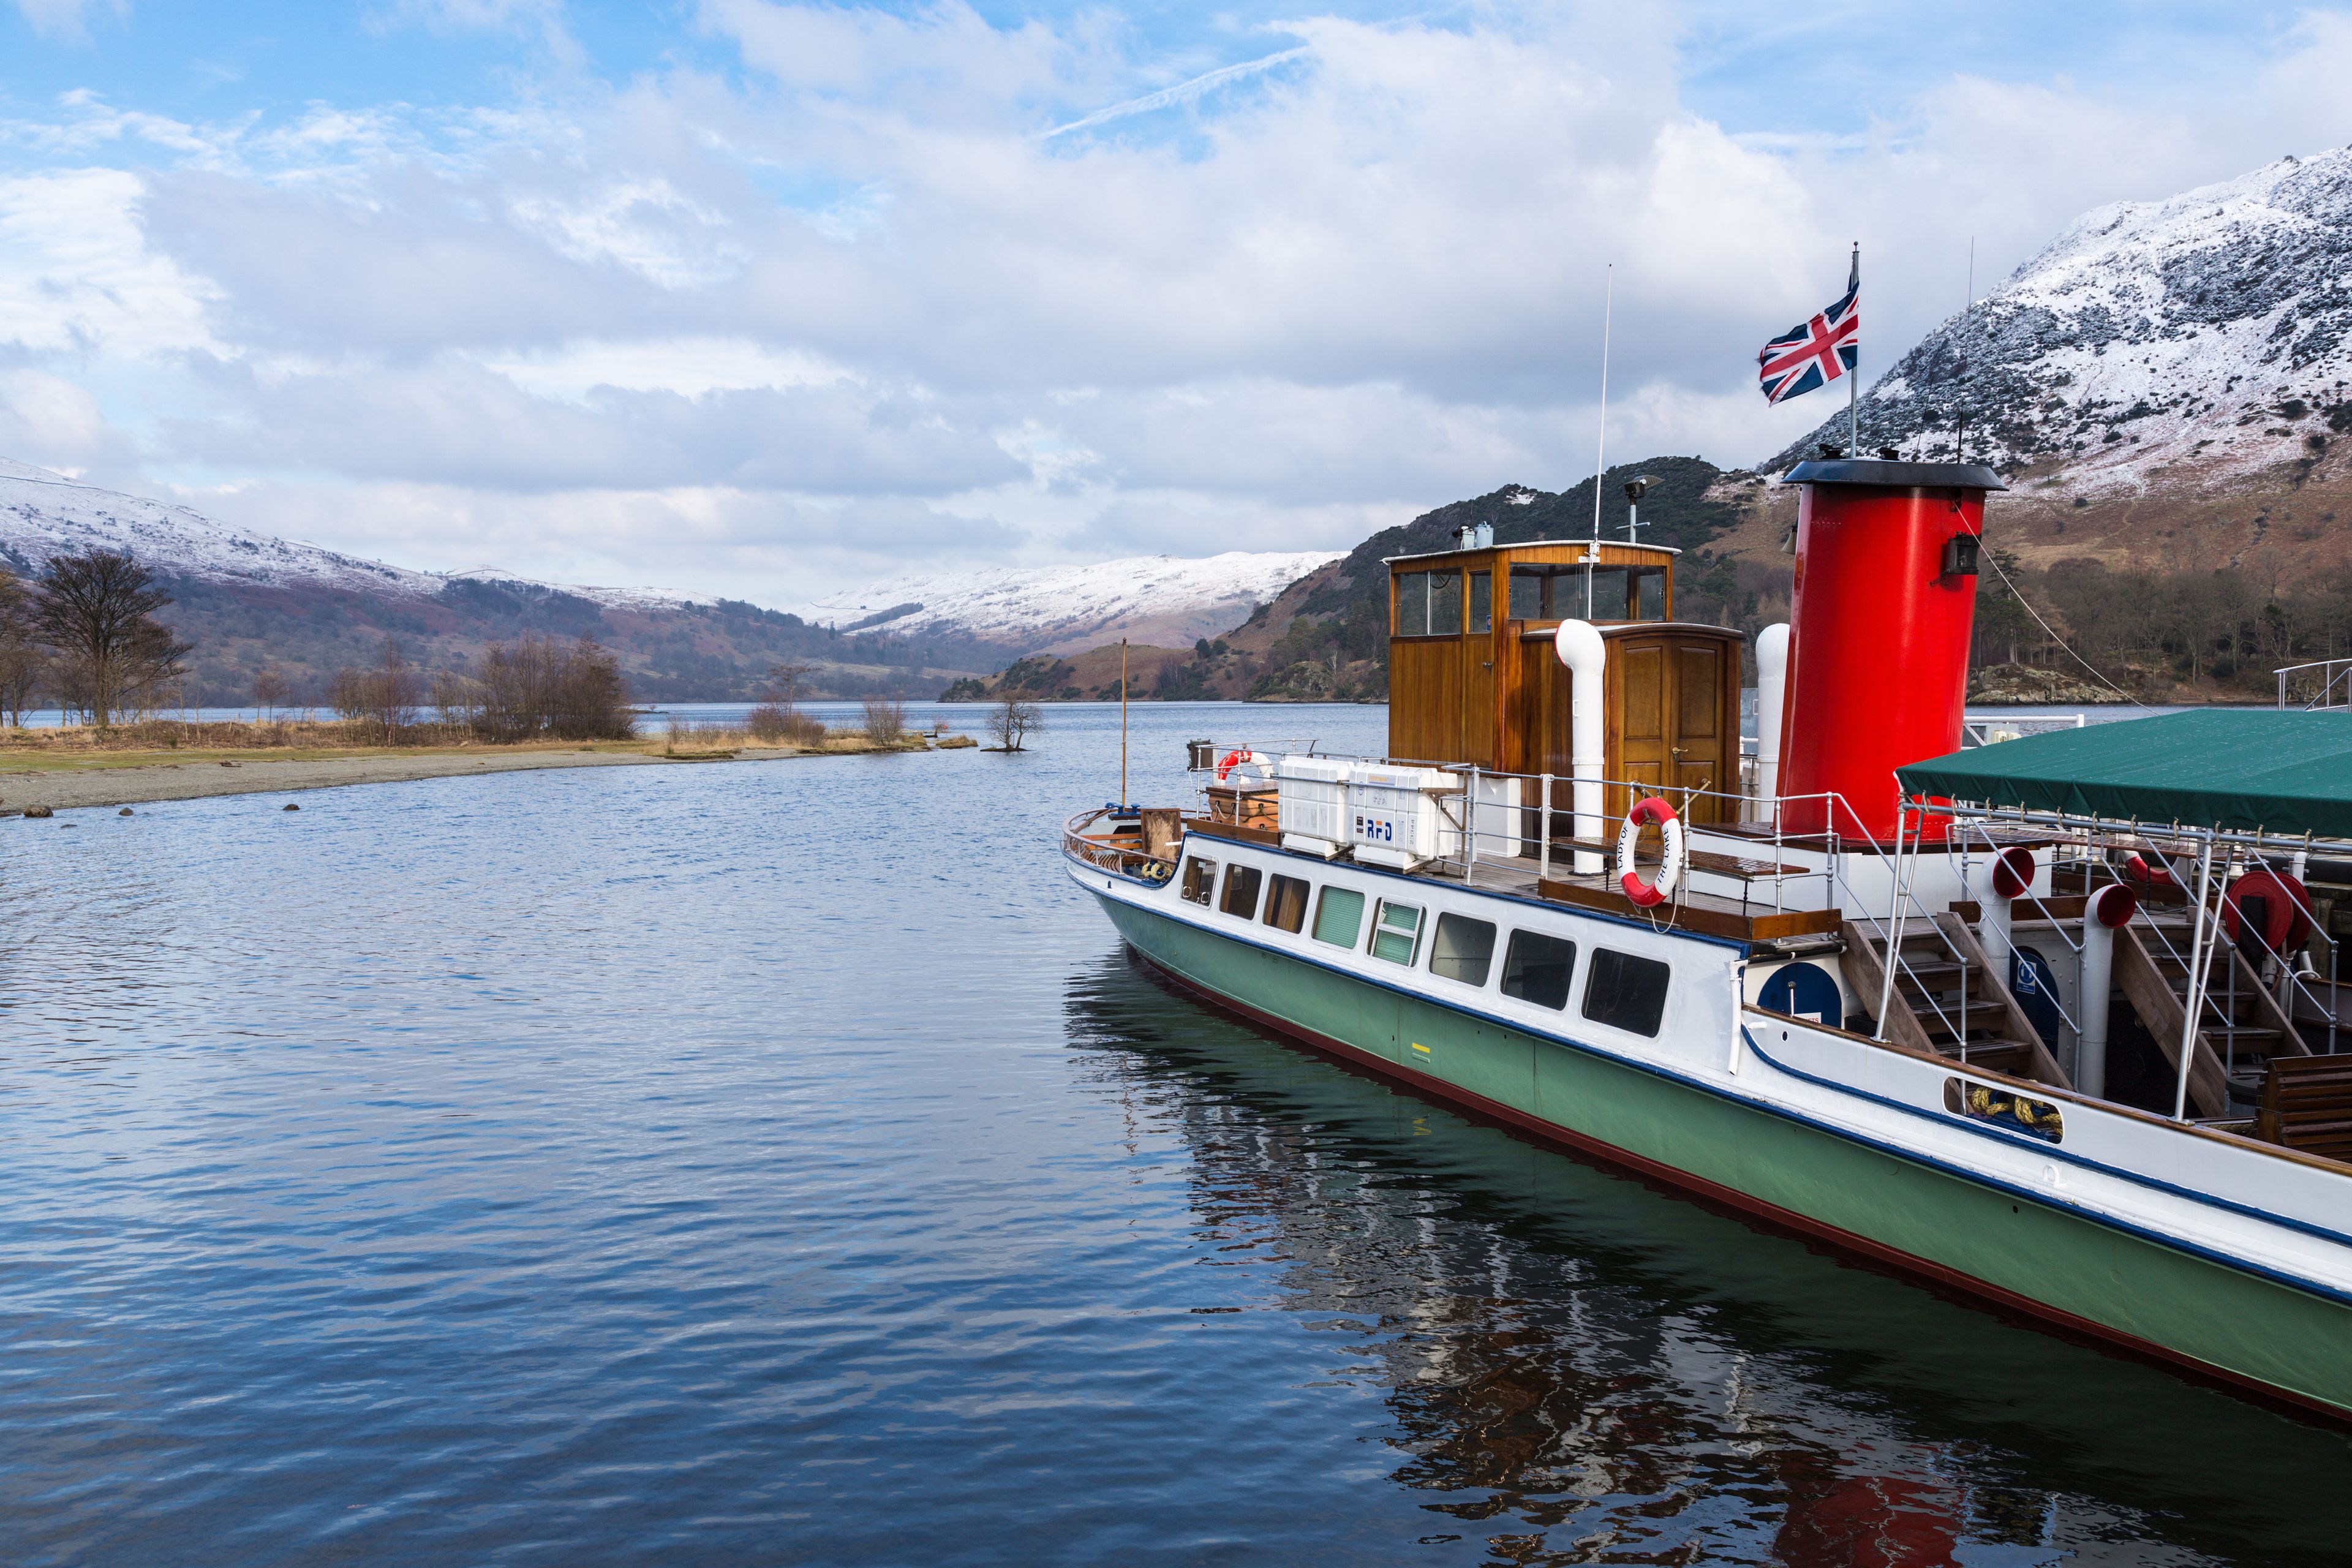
(1991, 731)
(2335, 678)
(1107, 852)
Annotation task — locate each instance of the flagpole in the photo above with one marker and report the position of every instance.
(1600, 446)
(1853, 377)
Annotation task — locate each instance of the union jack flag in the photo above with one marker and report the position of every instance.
(1816, 352)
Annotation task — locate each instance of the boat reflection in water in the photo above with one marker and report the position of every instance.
(1579, 1367)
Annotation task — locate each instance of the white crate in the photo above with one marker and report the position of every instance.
(1395, 818)
(1313, 802)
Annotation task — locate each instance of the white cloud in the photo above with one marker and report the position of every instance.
(916, 266)
(67, 19)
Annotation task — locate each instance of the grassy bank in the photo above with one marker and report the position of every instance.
(170, 741)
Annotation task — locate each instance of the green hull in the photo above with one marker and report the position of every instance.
(2050, 1261)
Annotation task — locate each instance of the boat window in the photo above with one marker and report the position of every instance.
(1412, 605)
(1609, 600)
(1241, 891)
(1464, 950)
(1537, 968)
(1200, 879)
(1482, 600)
(1650, 594)
(1543, 592)
(1445, 604)
(1338, 917)
(1982, 1103)
(1285, 904)
(1626, 992)
(1396, 934)
(1429, 604)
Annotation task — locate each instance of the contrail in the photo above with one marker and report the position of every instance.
(1180, 92)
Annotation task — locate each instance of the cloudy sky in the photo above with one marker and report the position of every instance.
(765, 299)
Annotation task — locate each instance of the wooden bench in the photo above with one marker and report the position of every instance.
(2308, 1105)
(1697, 859)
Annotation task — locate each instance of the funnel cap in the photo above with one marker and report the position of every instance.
(1893, 476)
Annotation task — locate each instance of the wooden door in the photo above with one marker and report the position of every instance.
(1670, 733)
(1643, 694)
(1477, 744)
(1697, 749)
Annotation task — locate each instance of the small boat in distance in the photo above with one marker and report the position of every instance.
(2054, 1021)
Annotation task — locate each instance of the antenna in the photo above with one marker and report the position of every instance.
(1600, 446)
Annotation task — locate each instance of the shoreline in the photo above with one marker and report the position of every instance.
(85, 784)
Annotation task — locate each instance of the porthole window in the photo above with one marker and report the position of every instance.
(1241, 891)
(1339, 917)
(1396, 934)
(1464, 950)
(1537, 968)
(1285, 904)
(1626, 992)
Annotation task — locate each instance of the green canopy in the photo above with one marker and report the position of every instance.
(2285, 771)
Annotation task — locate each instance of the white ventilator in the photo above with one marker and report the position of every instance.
(1586, 657)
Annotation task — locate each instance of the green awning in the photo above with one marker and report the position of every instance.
(2284, 772)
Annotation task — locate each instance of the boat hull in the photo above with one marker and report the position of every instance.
(2254, 1333)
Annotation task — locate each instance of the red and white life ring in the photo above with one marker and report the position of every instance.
(1648, 894)
(1238, 758)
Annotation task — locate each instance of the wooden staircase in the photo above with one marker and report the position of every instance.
(1941, 962)
(2241, 1019)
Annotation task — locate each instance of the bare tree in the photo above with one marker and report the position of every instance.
(1013, 720)
(24, 663)
(886, 718)
(384, 698)
(535, 686)
(271, 690)
(98, 611)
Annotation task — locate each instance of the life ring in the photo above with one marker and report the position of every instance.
(1237, 758)
(2286, 909)
(1646, 895)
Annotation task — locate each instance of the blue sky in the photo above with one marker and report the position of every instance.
(762, 298)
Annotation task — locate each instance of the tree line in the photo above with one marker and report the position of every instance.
(532, 688)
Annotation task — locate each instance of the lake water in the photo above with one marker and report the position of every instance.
(783, 1163)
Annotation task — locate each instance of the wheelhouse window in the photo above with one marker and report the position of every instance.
(1338, 917)
(1429, 604)
(1241, 891)
(1537, 968)
(1543, 591)
(1609, 591)
(1650, 594)
(1396, 934)
(1482, 600)
(1200, 880)
(1463, 950)
(1626, 992)
(1285, 904)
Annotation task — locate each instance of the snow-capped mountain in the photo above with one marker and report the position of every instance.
(2189, 344)
(44, 514)
(1160, 599)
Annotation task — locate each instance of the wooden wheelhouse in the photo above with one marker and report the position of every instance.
(1473, 679)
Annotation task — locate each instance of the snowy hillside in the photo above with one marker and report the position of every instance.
(44, 514)
(2187, 344)
(1160, 599)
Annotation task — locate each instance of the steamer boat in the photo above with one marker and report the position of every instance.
(2052, 1021)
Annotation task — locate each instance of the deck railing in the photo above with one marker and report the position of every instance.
(2333, 688)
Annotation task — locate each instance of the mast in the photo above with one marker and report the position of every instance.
(1122, 723)
(1600, 446)
(1854, 377)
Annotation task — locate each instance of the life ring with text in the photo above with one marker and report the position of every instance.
(1648, 894)
(1236, 759)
